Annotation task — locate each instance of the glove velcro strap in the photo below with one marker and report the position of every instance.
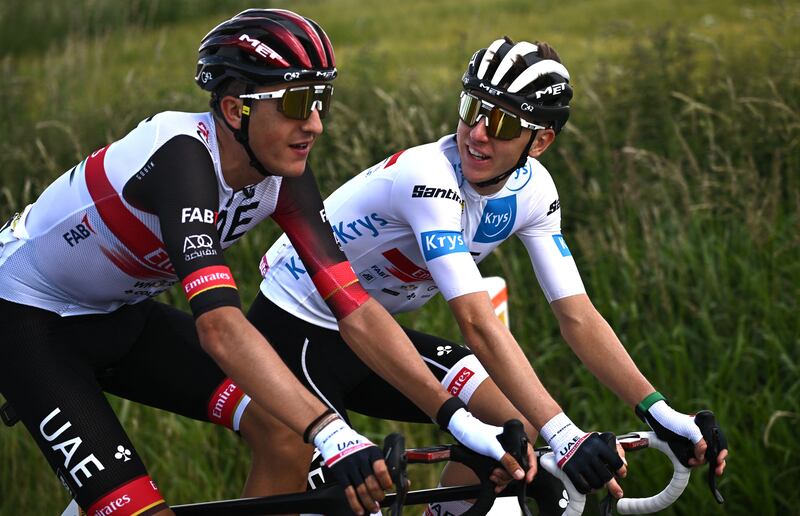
(651, 399)
(446, 411)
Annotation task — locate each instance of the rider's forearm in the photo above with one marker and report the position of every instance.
(375, 337)
(597, 346)
(246, 357)
(510, 369)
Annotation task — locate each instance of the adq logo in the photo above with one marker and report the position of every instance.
(193, 242)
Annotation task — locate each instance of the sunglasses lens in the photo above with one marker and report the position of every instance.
(468, 109)
(296, 103)
(503, 126)
(324, 100)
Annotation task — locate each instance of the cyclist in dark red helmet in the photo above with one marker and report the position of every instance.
(78, 269)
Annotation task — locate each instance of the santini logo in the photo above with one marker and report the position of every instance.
(431, 191)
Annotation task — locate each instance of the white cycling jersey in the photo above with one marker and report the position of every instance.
(411, 227)
(83, 248)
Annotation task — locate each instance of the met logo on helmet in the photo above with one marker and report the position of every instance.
(497, 220)
(553, 89)
(258, 47)
(490, 90)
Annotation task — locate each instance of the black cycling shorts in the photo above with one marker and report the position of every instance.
(323, 361)
(54, 371)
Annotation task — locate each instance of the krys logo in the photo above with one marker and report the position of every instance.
(440, 243)
(497, 220)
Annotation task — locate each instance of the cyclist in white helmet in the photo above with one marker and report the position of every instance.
(78, 269)
(416, 224)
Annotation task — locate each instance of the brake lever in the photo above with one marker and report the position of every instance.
(607, 504)
(394, 454)
(711, 433)
(515, 442)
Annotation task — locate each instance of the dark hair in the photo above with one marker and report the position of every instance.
(230, 87)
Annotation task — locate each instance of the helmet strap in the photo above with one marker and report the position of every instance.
(520, 162)
(242, 135)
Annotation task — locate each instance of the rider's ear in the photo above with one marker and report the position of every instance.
(231, 108)
(541, 142)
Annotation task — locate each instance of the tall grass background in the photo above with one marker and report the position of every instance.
(678, 178)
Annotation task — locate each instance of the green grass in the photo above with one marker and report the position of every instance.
(678, 177)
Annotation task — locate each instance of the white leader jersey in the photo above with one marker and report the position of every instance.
(411, 227)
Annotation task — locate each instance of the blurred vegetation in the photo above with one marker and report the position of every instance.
(678, 178)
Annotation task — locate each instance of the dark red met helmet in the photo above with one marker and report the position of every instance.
(262, 47)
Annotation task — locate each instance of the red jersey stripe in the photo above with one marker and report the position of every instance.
(145, 246)
(404, 269)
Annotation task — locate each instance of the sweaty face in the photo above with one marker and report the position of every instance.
(484, 157)
(281, 144)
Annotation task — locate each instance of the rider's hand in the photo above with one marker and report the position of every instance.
(501, 478)
(679, 431)
(476, 435)
(352, 459)
(586, 458)
(613, 486)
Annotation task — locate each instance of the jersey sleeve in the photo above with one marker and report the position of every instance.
(179, 186)
(551, 259)
(301, 214)
(431, 205)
